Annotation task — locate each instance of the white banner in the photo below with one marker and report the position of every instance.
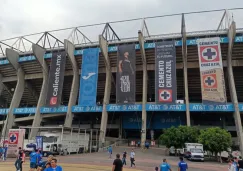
(15, 140)
(211, 71)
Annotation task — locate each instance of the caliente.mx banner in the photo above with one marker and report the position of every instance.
(165, 72)
(56, 78)
(89, 77)
(211, 71)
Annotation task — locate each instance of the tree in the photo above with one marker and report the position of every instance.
(177, 137)
(215, 140)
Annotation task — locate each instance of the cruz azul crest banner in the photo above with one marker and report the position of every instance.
(56, 78)
(126, 74)
(15, 140)
(211, 71)
(89, 77)
(165, 72)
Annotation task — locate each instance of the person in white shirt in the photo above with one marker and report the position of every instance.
(132, 158)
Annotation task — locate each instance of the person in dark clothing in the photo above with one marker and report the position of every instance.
(124, 158)
(240, 164)
(117, 164)
(20, 160)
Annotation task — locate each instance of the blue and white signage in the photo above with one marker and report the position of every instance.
(30, 110)
(77, 109)
(61, 109)
(89, 77)
(241, 107)
(39, 142)
(124, 108)
(114, 48)
(4, 111)
(165, 107)
(215, 108)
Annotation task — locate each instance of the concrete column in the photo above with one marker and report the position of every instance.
(1, 84)
(233, 95)
(39, 53)
(104, 50)
(145, 88)
(13, 57)
(69, 48)
(184, 57)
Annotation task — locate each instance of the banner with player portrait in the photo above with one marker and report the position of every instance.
(126, 74)
(165, 72)
(211, 71)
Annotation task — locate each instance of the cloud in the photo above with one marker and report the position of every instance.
(27, 16)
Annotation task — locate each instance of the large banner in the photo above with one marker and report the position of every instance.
(15, 140)
(165, 72)
(56, 78)
(126, 74)
(89, 77)
(211, 71)
(39, 142)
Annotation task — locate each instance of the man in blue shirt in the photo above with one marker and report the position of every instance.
(182, 166)
(165, 166)
(54, 166)
(33, 160)
(110, 151)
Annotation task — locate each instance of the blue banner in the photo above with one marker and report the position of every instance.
(114, 48)
(77, 109)
(89, 77)
(215, 108)
(30, 110)
(241, 107)
(165, 107)
(4, 111)
(124, 108)
(61, 109)
(39, 142)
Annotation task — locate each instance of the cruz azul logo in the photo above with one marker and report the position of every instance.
(165, 95)
(209, 54)
(88, 76)
(210, 81)
(13, 138)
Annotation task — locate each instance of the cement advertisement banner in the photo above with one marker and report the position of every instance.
(165, 72)
(126, 74)
(15, 140)
(56, 78)
(89, 77)
(211, 71)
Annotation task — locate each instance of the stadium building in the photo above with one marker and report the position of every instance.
(45, 79)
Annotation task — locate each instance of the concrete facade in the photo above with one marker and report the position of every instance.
(69, 47)
(104, 50)
(39, 53)
(13, 57)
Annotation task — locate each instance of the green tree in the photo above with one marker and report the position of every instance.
(215, 140)
(177, 137)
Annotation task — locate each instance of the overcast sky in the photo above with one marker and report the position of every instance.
(20, 17)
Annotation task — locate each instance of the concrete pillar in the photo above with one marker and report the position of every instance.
(39, 53)
(233, 95)
(1, 84)
(184, 57)
(13, 57)
(104, 50)
(145, 88)
(69, 48)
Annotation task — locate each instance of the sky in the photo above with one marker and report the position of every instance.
(21, 17)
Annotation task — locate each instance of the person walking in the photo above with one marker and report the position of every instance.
(182, 166)
(165, 166)
(110, 151)
(33, 160)
(240, 164)
(124, 157)
(20, 160)
(117, 164)
(54, 166)
(5, 149)
(132, 158)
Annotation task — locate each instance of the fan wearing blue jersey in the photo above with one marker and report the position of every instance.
(33, 160)
(182, 166)
(165, 166)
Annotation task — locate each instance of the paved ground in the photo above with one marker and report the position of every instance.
(145, 161)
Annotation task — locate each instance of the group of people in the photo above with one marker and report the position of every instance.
(236, 164)
(182, 166)
(3, 152)
(36, 161)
